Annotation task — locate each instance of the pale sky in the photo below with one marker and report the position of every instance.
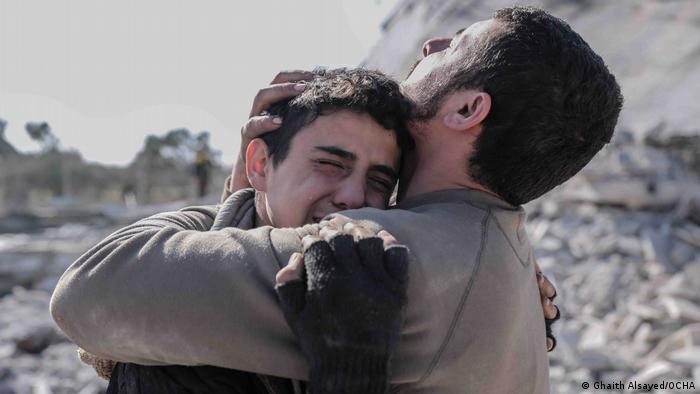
(104, 74)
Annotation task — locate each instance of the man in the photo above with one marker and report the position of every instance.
(511, 108)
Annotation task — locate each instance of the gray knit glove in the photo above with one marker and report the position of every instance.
(348, 312)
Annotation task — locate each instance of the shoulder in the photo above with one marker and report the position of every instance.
(443, 216)
(508, 237)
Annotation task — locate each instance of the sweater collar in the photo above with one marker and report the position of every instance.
(469, 196)
(237, 211)
(509, 218)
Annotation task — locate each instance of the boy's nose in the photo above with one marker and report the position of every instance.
(350, 196)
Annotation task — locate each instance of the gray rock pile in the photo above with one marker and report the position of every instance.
(626, 261)
(35, 357)
(37, 260)
(629, 290)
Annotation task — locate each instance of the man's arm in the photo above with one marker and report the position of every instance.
(166, 291)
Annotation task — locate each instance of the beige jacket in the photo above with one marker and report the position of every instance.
(172, 292)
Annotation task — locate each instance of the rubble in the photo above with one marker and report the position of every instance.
(35, 357)
(629, 285)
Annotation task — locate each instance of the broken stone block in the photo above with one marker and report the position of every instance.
(688, 356)
(652, 372)
(38, 338)
(679, 286)
(628, 325)
(681, 253)
(645, 312)
(688, 336)
(680, 309)
(692, 273)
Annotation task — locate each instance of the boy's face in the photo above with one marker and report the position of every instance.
(340, 161)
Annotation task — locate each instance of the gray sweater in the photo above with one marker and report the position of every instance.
(171, 292)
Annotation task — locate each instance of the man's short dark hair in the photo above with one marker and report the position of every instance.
(554, 104)
(357, 90)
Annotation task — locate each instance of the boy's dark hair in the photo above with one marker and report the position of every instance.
(358, 90)
(554, 104)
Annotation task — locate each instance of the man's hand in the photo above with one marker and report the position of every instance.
(551, 311)
(286, 84)
(347, 307)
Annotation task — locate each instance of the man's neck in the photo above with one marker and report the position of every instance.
(261, 217)
(440, 170)
(425, 181)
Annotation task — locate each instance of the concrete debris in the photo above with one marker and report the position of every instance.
(652, 372)
(629, 285)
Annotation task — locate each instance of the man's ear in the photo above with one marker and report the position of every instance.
(257, 159)
(466, 109)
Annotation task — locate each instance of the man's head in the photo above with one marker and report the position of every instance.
(338, 148)
(532, 97)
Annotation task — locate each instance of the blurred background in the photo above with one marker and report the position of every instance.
(111, 111)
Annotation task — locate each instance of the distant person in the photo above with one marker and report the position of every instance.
(129, 195)
(202, 165)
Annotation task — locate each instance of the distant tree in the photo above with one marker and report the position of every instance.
(6, 149)
(203, 138)
(42, 134)
(177, 148)
(61, 172)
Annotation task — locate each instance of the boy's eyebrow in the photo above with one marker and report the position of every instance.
(340, 152)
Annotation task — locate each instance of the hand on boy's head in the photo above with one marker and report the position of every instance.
(286, 84)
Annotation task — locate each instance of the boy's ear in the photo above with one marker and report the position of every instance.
(256, 161)
(469, 109)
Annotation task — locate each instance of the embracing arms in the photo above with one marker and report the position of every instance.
(345, 299)
(165, 291)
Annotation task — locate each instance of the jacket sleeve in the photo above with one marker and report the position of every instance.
(166, 291)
